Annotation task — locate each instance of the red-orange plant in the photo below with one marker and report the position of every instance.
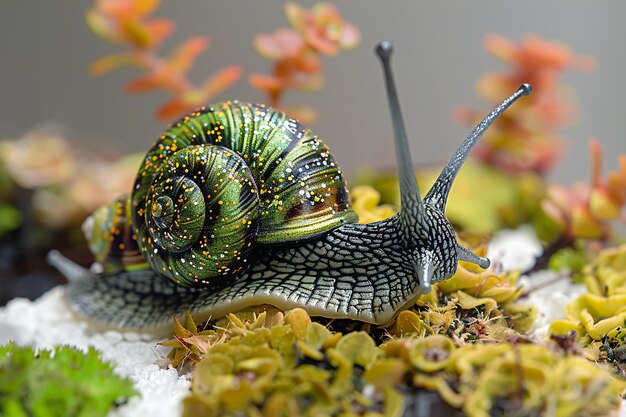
(585, 210)
(129, 22)
(526, 138)
(297, 53)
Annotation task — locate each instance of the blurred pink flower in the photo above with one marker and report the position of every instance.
(296, 53)
(525, 138)
(322, 27)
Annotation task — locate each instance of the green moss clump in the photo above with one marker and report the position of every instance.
(63, 382)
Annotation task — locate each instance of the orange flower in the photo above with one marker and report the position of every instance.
(536, 61)
(124, 21)
(584, 211)
(128, 22)
(186, 102)
(539, 63)
(125, 8)
(525, 139)
(281, 44)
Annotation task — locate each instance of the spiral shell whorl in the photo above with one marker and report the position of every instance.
(298, 189)
(201, 215)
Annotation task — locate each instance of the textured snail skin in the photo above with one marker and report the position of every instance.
(345, 270)
(351, 272)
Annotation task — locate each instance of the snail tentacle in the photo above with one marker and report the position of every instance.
(413, 208)
(410, 200)
(70, 269)
(468, 256)
(438, 193)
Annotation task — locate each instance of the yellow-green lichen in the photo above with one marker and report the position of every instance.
(606, 276)
(506, 378)
(287, 364)
(599, 316)
(366, 204)
(464, 343)
(601, 312)
(290, 365)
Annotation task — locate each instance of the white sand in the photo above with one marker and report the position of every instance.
(517, 249)
(48, 321)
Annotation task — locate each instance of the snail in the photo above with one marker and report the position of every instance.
(238, 205)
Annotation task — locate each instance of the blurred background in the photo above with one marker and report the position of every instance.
(47, 49)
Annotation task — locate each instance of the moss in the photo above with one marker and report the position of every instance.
(61, 382)
(291, 365)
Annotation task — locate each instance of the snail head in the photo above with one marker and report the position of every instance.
(428, 230)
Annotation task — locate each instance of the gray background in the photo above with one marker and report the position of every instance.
(45, 50)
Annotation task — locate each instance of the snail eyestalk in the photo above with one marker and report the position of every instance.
(410, 199)
(468, 256)
(438, 194)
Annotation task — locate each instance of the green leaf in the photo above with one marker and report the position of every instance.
(10, 218)
(568, 259)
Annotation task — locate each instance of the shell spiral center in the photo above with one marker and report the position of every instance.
(201, 215)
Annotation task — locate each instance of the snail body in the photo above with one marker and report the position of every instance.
(238, 205)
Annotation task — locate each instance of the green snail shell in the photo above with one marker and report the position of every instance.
(227, 178)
